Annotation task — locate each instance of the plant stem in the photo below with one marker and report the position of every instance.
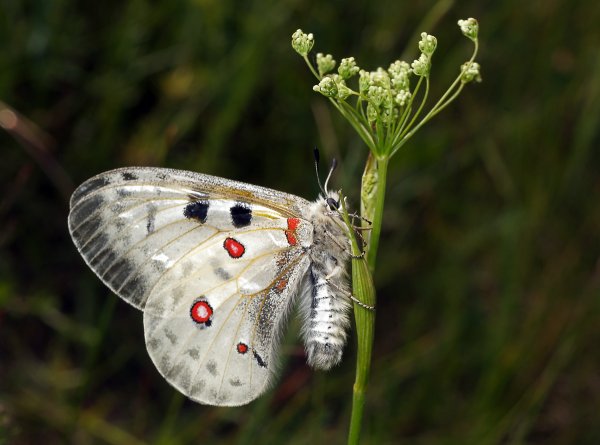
(382, 165)
(364, 290)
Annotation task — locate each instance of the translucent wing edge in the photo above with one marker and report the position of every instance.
(190, 183)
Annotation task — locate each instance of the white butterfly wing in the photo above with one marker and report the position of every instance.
(213, 263)
(230, 361)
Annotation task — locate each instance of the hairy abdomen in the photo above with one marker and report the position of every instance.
(327, 321)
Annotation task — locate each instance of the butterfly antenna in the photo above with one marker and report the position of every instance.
(316, 155)
(333, 167)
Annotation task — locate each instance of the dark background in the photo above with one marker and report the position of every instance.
(488, 273)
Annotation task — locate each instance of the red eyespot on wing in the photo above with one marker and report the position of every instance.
(242, 348)
(201, 312)
(290, 233)
(234, 248)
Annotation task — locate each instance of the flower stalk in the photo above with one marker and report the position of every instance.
(385, 108)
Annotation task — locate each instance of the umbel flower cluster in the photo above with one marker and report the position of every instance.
(389, 101)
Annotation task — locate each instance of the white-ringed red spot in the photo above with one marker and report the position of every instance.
(201, 312)
(290, 233)
(234, 248)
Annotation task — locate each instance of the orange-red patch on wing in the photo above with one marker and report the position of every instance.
(290, 233)
(281, 285)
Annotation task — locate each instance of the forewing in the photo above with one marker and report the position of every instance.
(130, 224)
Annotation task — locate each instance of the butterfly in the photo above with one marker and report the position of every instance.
(216, 266)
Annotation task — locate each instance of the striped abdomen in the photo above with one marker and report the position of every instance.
(327, 322)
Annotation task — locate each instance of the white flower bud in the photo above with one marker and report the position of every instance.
(302, 42)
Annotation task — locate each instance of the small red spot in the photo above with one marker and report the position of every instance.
(201, 312)
(281, 284)
(242, 348)
(234, 248)
(290, 233)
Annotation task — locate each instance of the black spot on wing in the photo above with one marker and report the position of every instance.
(151, 218)
(128, 176)
(259, 359)
(197, 210)
(241, 215)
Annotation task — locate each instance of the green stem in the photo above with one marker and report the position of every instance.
(406, 114)
(364, 291)
(439, 107)
(382, 165)
(418, 112)
(350, 114)
(311, 67)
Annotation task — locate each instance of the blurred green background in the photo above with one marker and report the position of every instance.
(488, 326)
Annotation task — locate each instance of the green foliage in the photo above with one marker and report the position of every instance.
(488, 283)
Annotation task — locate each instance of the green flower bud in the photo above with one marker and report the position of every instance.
(376, 94)
(388, 108)
(348, 68)
(421, 66)
(343, 90)
(470, 72)
(381, 78)
(302, 42)
(325, 63)
(327, 87)
(364, 81)
(398, 68)
(469, 28)
(388, 115)
(371, 112)
(427, 44)
(402, 97)
(399, 73)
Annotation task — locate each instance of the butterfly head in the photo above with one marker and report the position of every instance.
(333, 203)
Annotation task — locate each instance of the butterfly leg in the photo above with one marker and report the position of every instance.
(361, 304)
(346, 293)
(356, 216)
(356, 257)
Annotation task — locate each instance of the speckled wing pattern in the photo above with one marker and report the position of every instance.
(214, 264)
